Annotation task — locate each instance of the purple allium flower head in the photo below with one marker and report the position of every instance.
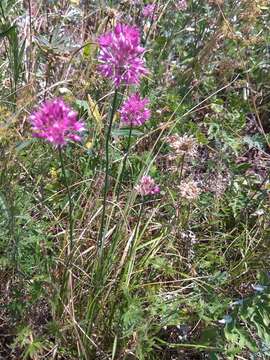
(149, 10)
(147, 186)
(56, 122)
(120, 55)
(134, 111)
(182, 5)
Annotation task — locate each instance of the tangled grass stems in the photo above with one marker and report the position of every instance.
(151, 283)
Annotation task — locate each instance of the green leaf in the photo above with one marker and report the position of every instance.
(245, 340)
(24, 144)
(7, 30)
(125, 132)
(213, 356)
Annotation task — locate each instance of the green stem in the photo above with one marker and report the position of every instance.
(140, 216)
(106, 182)
(122, 271)
(181, 169)
(179, 184)
(124, 163)
(69, 197)
(188, 216)
(2, 11)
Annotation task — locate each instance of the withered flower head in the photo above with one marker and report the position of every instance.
(189, 190)
(185, 145)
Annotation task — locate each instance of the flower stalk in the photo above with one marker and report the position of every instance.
(70, 204)
(124, 163)
(106, 181)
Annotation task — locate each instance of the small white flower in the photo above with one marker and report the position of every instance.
(226, 320)
(237, 302)
(258, 287)
(258, 212)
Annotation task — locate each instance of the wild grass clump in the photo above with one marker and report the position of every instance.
(134, 180)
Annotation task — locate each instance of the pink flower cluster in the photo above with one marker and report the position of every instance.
(120, 55)
(56, 122)
(149, 11)
(182, 5)
(147, 186)
(134, 111)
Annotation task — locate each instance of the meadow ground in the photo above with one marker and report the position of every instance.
(134, 179)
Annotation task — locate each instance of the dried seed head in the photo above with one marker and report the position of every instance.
(185, 145)
(189, 190)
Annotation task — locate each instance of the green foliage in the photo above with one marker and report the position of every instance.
(250, 317)
(176, 278)
(16, 47)
(32, 347)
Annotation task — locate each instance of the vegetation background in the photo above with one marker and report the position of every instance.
(178, 278)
